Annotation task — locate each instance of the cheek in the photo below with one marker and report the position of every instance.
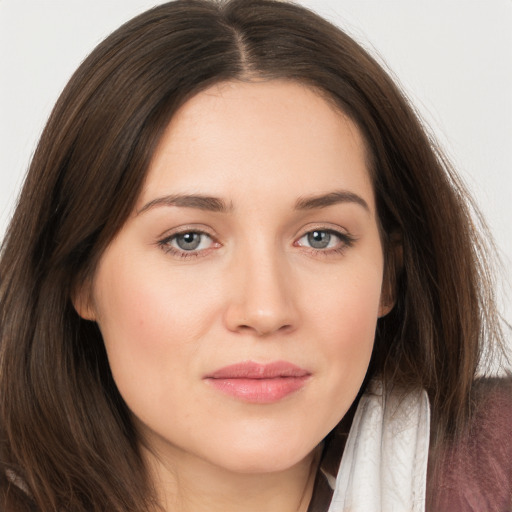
(142, 302)
(344, 318)
(150, 325)
(347, 306)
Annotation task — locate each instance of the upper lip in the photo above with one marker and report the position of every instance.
(253, 370)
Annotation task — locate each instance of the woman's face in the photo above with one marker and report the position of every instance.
(238, 303)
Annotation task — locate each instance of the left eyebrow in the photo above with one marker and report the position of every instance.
(332, 198)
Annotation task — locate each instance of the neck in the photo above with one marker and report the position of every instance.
(188, 484)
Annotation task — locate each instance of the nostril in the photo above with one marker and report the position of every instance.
(266, 330)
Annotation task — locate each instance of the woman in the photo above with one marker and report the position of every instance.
(236, 245)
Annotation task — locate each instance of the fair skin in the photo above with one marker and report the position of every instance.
(281, 264)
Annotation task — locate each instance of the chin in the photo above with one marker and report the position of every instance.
(258, 458)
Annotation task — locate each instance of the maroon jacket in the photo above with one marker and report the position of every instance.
(476, 472)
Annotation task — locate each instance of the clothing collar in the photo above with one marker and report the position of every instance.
(384, 463)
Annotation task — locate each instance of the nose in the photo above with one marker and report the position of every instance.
(262, 298)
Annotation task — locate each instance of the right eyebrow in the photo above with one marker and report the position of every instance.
(197, 201)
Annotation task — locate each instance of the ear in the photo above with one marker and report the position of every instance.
(393, 262)
(81, 298)
(385, 307)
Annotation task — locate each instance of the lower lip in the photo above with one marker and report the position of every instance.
(259, 391)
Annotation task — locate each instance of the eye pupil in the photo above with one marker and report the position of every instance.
(188, 241)
(319, 239)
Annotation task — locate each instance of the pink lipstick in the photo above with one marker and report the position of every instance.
(259, 383)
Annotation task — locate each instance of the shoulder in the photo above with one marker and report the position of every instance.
(475, 471)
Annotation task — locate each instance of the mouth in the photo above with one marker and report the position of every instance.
(259, 383)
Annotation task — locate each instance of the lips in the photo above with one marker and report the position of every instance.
(259, 383)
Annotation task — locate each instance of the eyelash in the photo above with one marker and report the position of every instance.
(180, 253)
(346, 241)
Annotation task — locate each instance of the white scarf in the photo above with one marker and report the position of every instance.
(384, 464)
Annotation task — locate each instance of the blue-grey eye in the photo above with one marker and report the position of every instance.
(191, 241)
(319, 239)
(188, 241)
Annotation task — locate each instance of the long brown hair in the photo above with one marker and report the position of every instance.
(66, 433)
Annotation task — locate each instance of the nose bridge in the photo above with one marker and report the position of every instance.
(262, 300)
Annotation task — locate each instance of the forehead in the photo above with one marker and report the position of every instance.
(277, 138)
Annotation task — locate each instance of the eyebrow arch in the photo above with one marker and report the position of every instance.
(198, 201)
(332, 198)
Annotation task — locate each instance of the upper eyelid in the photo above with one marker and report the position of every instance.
(191, 228)
(181, 233)
(167, 240)
(170, 233)
(167, 246)
(338, 233)
(325, 226)
(326, 230)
